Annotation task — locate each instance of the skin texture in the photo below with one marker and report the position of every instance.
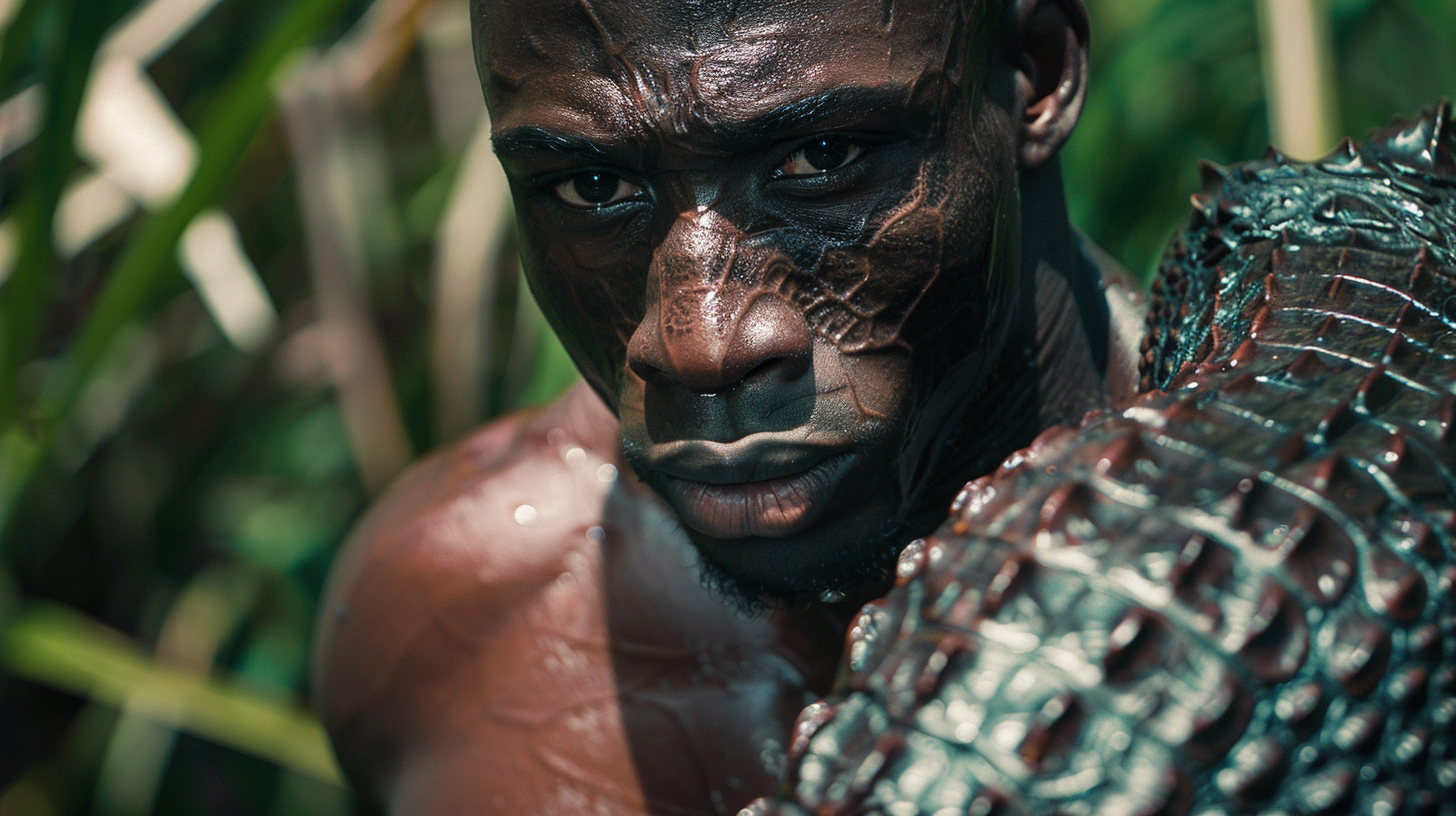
(470, 663)
(801, 355)
(803, 367)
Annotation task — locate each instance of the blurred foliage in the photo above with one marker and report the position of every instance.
(1178, 81)
(172, 492)
(167, 483)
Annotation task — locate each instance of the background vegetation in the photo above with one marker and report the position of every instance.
(253, 258)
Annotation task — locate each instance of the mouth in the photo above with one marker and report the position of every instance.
(768, 491)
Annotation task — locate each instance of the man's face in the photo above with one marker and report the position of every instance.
(765, 231)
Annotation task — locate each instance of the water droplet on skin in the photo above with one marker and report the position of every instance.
(525, 514)
(575, 456)
(607, 473)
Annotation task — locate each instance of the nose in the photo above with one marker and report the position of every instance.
(768, 341)
(715, 324)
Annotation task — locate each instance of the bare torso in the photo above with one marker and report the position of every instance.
(519, 628)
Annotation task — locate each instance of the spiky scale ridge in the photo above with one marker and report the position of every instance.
(1237, 595)
(1379, 195)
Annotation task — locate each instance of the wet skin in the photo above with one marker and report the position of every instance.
(467, 663)
(813, 259)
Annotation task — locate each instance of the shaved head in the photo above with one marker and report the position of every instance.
(762, 41)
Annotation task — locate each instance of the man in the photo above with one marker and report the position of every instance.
(813, 261)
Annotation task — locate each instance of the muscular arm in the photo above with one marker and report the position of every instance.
(1233, 596)
(477, 657)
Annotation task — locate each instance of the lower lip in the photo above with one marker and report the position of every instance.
(771, 508)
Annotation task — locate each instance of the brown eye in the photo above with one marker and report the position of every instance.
(821, 156)
(595, 189)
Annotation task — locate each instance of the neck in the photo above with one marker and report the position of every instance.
(1063, 290)
(1063, 356)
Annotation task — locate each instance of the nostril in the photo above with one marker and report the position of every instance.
(647, 355)
(772, 343)
(766, 341)
(650, 374)
(779, 369)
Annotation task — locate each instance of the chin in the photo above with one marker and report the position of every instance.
(828, 562)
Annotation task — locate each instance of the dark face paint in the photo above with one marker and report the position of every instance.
(774, 236)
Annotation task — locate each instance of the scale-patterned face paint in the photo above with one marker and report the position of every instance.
(764, 231)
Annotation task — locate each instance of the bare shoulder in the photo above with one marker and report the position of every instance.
(518, 628)
(445, 565)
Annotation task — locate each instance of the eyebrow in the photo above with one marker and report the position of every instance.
(824, 111)
(818, 112)
(532, 139)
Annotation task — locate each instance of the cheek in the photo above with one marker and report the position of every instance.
(921, 262)
(866, 292)
(591, 292)
(876, 386)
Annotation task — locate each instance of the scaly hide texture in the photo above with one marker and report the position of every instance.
(1234, 596)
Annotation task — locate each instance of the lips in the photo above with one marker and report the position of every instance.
(740, 490)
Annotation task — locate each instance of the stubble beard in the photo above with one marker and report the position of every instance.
(866, 563)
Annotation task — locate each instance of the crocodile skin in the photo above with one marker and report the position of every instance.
(1234, 596)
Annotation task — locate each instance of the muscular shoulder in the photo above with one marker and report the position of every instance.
(446, 561)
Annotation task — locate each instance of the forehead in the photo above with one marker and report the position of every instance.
(599, 67)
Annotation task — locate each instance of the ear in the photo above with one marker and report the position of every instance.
(1050, 58)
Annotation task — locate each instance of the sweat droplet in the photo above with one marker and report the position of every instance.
(525, 514)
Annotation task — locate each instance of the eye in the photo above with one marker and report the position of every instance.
(594, 189)
(820, 156)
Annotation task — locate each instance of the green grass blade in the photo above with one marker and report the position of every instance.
(147, 263)
(61, 648)
(146, 270)
(64, 69)
(15, 43)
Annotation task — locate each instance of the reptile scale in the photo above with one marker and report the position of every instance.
(1233, 596)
